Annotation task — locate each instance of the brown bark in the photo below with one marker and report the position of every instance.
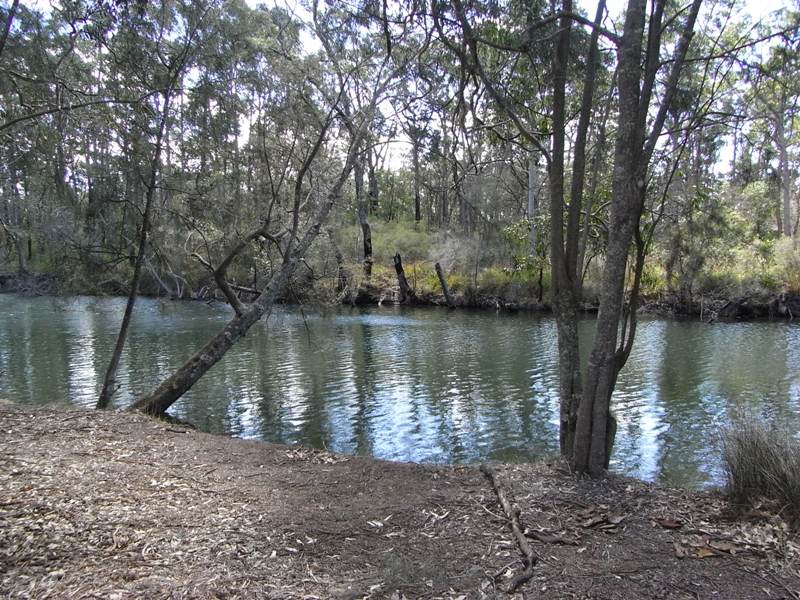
(443, 283)
(579, 152)
(595, 425)
(589, 452)
(406, 291)
(562, 262)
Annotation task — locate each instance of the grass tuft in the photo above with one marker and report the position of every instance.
(762, 462)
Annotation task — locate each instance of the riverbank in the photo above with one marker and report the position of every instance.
(116, 505)
(754, 305)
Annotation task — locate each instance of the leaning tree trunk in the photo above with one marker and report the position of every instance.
(443, 282)
(110, 381)
(159, 400)
(406, 291)
(165, 395)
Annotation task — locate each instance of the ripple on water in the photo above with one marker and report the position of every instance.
(430, 385)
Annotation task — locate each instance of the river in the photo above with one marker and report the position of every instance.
(412, 384)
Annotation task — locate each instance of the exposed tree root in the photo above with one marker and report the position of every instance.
(512, 512)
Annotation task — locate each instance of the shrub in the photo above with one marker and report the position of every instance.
(653, 279)
(787, 257)
(762, 462)
(494, 281)
(457, 282)
(716, 283)
(412, 241)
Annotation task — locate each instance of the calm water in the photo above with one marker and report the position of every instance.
(411, 384)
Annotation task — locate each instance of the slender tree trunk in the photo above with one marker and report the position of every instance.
(597, 159)
(110, 381)
(564, 299)
(361, 212)
(785, 204)
(533, 202)
(341, 274)
(372, 186)
(461, 200)
(590, 450)
(417, 182)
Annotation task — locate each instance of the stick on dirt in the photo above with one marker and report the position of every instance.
(512, 512)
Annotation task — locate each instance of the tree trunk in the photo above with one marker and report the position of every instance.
(406, 291)
(341, 274)
(22, 268)
(443, 282)
(417, 182)
(159, 400)
(165, 395)
(591, 450)
(361, 211)
(110, 381)
(533, 202)
(563, 273)
(785, 203)
(373, 192)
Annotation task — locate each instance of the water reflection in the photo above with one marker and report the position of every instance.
(420, 385)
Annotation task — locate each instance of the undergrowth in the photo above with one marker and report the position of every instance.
(762, 462)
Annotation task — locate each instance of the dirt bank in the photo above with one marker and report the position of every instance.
(110, 505)
(748, 307)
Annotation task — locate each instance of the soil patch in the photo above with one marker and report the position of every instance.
(115, 505)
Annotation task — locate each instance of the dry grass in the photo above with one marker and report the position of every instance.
(762, 462)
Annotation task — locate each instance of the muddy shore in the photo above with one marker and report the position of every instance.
(117, 505)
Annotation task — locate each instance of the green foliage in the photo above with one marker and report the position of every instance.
(457, 282)
(517, 236)
(787, 263)
(654, 281)
(494, 281)
(516, 286)
(413, 242)
(717, 283)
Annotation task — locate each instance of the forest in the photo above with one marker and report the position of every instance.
(524, 152)
(270, 220)
(195, 121)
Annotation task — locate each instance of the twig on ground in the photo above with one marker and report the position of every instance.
(512, 512)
